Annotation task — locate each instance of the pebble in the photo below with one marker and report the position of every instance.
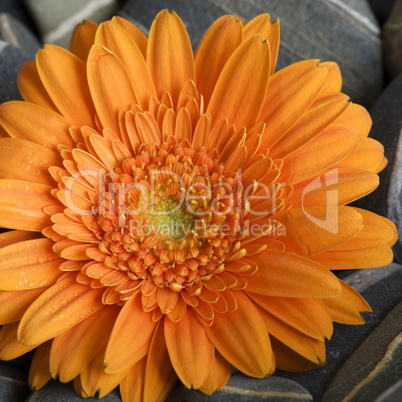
(382, 294)
(11, 60)
(392, 35)
(374, 366)
(16, 34)
(18, 11)
(56, 19)
(386, 200)
(13, 384)
(59, 392)
(392, 394)
(241, 388)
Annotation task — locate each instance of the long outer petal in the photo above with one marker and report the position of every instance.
(241, 338)
(269, 31)
(83, 38)
(35, 123)
(236, 96)
(133, 329)
(110, 86)
(219, 375)
(64, 77)
(39, 373)
(190, 350)
(332, 225)
(59, 308)
(291, 92)
(116, 39)
(31, 87)
(25, 160)
(216, 46)
(135, 33)
(169, 54)
(22, 203)
(283, 274)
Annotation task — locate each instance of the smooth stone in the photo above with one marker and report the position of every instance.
(374, 366)
(241, 388)
(16, 34)
(344, 31)
(392, 394)
(13, 384)
(386, 200)
(392, 36)
(56, 19)
(381, 9)
(11, 60)
(382, 296)
(59, 392)
(17, 9)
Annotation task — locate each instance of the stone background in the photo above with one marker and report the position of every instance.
(365, 39)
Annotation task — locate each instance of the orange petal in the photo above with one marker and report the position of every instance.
(35, 123)
(31, 87)
(135, 33)
(308, 316)
(10, 348)
(116, 39)
(332, 226)
(73, 350)
(14, 304)
(288, 359)
(25, 160)
(348, 185)
(218, 376)
(132, 386)
(64, 77)
(357, 118)
(39, 373)
(270, 32)
(59, 308)
(158, 383)
(235, 96)
(216, 46)
(16, 236)
(376, 230)
(370, 257)
(346, 309)
(368, 155)
(283, 274)
(183, 125)
(133, 329)
(106, 73)
(248, 347)
(29, 265)
(334, 81)
(94, 379)
(82, 38)
(202, 132)
(22, 203)
(291, 92)
(169, 54)
(330, 147)
(190, 350)
(322, 113)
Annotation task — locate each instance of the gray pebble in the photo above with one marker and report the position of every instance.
(16, 34)
(56, 19)
(13, 384)
(392, 34)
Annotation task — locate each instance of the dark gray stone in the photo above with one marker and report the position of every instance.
(382, 295)
(374, 366)
(16, 34)
(387, 125)
(11, 60)
(392, 394)
(55, 391)
(344, 31)
(17, 10)
(56, 19)
(241, 388)
(392, 34)
(13, 384)
(381, 9)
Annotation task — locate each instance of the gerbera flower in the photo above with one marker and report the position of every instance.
(177, 215)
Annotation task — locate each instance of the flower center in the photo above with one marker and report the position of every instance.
(170, 218)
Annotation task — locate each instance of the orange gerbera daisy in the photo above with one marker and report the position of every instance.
(177, 215)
